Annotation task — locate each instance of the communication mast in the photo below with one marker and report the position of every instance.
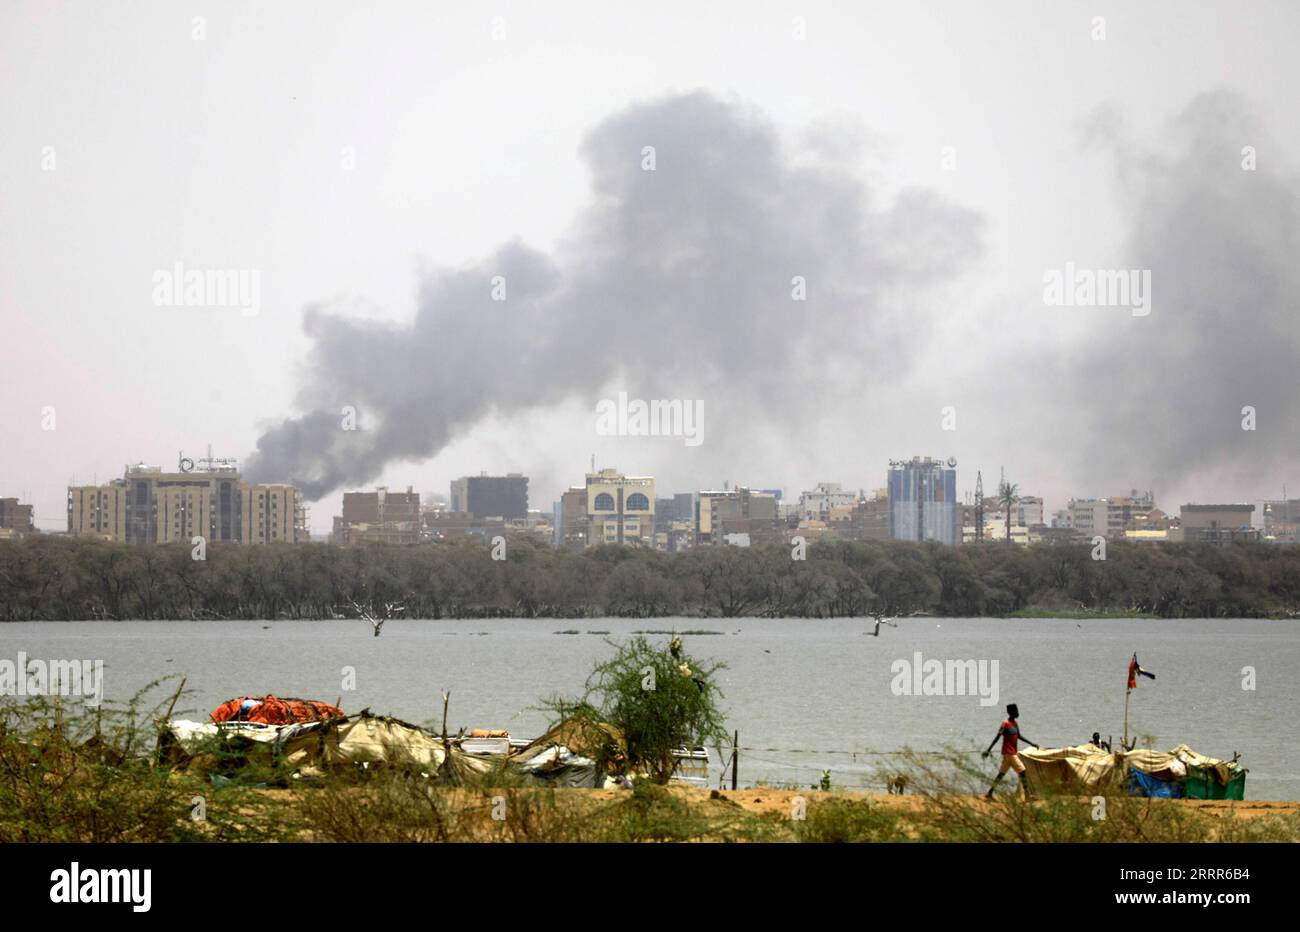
(979, 506)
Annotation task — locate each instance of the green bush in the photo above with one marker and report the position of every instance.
(659, 701)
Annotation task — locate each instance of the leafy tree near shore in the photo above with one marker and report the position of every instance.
(659, 698)
(58, 578)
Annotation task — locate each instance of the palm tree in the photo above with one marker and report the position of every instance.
(1008, 495)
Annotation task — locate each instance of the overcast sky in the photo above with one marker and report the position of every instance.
(373, 165)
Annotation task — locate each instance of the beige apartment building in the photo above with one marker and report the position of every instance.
(148, 505)
(620, 509)
(270, 514)
(611, 508)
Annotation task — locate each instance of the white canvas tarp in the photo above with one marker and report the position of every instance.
(1091, 767)
(360, 740)
(1084, 765)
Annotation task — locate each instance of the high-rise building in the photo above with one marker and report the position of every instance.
(923, 502)
(150, 506)
(487, 496)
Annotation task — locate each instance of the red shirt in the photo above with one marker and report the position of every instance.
(1010, 735)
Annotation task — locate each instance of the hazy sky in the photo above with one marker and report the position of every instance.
(376, 165)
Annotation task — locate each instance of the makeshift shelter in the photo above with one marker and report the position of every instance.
(359, 740)
(576, 753)
(1198, 776)
(555, 765)
(192, 745)
(1142, 771)
(1083, 767)
(597, 740)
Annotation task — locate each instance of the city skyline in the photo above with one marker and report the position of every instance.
(908, 488)
(859, 268)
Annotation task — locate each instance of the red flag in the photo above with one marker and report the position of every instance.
(1135, 670)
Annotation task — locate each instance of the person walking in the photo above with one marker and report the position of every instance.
(1009, 732)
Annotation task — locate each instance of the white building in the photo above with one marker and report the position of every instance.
(822, 499)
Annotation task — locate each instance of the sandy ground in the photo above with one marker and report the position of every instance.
(770, 804)
(763, 800)
(767, 800)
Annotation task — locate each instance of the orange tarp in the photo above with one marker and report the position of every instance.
(272, 710)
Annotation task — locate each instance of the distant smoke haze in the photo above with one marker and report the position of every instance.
(1225, 246)
(676, 283)
(1162, 396)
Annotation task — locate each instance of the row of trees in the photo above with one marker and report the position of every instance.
(58, 578)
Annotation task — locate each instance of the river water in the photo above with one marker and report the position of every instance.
(805, 695)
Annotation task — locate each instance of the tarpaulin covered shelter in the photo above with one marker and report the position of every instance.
(187, 744)
(597, 740)
(1144, 772)
(567, 755)
(1084, 766)
(576, 752)
(362, 739)
(1199, 776)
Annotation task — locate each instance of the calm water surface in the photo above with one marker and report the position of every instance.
(805, 695)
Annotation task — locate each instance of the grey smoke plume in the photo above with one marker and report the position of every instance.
(677, 282)
(1162, 396)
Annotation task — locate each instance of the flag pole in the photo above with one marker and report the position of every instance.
(1127, 694)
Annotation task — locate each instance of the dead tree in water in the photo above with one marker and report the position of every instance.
(882, 620)
(391, 609)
